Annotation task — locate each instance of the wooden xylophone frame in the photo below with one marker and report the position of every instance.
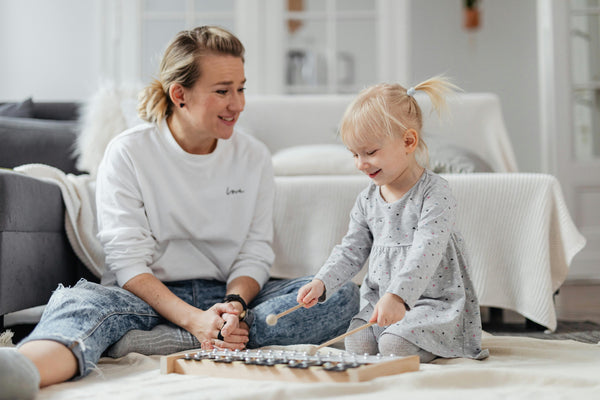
(283, 365)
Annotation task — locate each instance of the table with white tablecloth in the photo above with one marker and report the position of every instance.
(520, 236)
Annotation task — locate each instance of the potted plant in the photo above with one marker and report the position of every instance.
(471, 14)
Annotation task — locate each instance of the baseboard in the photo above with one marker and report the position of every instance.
(578, 300)
(584, 269)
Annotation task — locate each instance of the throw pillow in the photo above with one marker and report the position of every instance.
(450, 159)
(319, 159)
(23, 109)
(28, 140)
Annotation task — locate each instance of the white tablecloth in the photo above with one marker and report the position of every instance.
(521, 240)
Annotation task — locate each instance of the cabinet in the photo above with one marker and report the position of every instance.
(569, 50)
(329, 46)
(585, 77)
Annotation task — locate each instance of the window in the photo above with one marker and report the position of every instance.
(293, 46)
(161, 20)
(329, 46)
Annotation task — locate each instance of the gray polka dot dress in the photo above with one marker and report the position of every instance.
(415, 252)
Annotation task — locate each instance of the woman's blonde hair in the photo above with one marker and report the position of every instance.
(390, 109)
(180, 64)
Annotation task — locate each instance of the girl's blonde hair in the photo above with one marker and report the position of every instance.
(180, 64)
(386, 110)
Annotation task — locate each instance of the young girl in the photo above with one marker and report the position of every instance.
(417, 290)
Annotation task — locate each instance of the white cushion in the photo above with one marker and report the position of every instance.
(321, 159)
(110, 111)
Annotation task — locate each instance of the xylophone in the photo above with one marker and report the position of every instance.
(286, 365)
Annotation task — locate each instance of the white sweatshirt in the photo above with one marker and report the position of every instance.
(182, 216)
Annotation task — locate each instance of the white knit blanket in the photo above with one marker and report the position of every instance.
(521, 239)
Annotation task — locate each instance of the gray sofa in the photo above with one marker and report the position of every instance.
(32, 211)
(45, 136)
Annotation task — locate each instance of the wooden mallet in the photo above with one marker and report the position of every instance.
(337, 339)
(272, 318)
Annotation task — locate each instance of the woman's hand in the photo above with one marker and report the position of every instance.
(234, 332)
(310, 293)
(204, 325)
(222, 317)
(388, 310)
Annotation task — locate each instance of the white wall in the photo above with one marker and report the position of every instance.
(500, 57)
(49, 49)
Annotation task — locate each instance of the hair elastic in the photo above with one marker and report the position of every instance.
(411, 92)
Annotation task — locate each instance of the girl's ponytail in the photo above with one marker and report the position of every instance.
(437, 88)
(390, 109)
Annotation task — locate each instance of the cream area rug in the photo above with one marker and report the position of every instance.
(518, 368)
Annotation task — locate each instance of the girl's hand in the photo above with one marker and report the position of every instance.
(309, 294)
(388, 310)
(207, 324)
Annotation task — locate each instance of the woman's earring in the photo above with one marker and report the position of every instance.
(181, 105)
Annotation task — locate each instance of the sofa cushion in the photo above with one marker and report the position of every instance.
(26, 140)
(23, 109)
(56, 110)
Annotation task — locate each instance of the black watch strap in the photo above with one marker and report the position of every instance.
(236, 297)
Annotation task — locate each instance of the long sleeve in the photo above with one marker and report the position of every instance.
(349, 257)
(122, 223)
(256, 255)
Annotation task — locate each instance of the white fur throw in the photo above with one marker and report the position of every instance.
(6, 338)
(110, 111)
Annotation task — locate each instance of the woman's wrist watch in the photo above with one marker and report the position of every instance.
(236, 297)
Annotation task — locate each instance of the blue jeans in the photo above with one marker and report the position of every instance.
(88, 318)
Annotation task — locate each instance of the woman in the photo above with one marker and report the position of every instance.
(185, 218)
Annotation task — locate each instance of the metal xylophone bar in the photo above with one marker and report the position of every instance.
(330, 362)
(280, 365)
